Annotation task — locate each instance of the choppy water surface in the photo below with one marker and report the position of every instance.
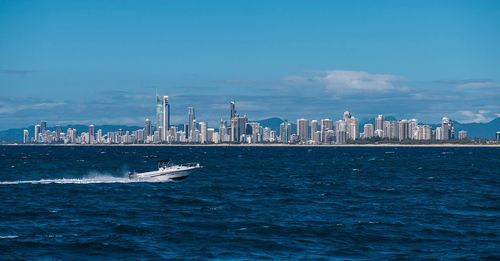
(251, 202)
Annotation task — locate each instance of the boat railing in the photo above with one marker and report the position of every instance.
(192, 164)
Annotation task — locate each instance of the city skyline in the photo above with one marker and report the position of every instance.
(75, 63)
(237, 128)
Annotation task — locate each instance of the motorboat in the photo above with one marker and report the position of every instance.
(167, 170)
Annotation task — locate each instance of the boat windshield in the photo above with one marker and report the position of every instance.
(165, 163)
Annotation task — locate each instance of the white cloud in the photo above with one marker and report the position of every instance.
(478, 85)
(339, 81)
(358, 81)
(479, 116)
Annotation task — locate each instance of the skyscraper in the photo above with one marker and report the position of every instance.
(58, 132)
(37, 133)
(191, 123)
(326, 125)
(285, 131)
(232, 108)
(166, 117)
(404, 130)
(159, 111)
(234, 129)
(447, 130)
(341, 132)
(26, 136)
(379, 123)
(303, 130)
(368, 131)
(43, 127)
(353, 128)
(462, 135)
(91, 134)
(147, 128)
(203, 132)
(314, 130)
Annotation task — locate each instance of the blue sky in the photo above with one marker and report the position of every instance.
(101, 61)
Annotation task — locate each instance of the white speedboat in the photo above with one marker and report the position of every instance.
(167, 170)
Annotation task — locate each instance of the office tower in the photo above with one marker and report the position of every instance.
(462, 135)
(147, 128)
(232, 109)
(341, 133)
(26, 136)
(314, 129)
(497, 137)
(191, 123)
(159, 111)
(353, 125)
(379, 125)
(91, 139)
(37, 133)
(447, 131)
(302, 130)
(43, 127)
(368, 131)
(166, 117)
(325, 126)
(203, 132)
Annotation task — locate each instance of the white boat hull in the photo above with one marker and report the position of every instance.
(175, 173)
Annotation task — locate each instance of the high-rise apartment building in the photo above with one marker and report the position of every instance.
(368, 131)
(303, 130)
(314, 130)
(91, 134)
(379, 125)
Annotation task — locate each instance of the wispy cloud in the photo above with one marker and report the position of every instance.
(471, 83)
(342, 82)
(478, 116)
(19, 72)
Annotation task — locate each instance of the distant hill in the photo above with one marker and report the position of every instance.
(475, 130)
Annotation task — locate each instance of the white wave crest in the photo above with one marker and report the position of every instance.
(91, 179)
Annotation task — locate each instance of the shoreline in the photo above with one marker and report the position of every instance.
(257, 145)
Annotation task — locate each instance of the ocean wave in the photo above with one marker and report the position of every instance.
(93, 179)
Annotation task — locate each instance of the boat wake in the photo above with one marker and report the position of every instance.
(99, 179)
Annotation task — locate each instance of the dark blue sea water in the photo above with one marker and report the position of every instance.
(251, 202)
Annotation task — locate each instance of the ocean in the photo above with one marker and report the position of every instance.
(76, 202)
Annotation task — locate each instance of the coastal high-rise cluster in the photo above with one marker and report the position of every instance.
(238, 129)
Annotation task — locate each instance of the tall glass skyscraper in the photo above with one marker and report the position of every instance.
(159, 111)
(166, 117)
